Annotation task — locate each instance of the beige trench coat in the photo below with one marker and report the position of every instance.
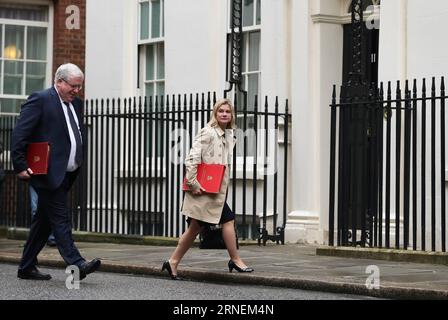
(214, 146)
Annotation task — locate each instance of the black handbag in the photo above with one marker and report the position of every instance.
(211, 238)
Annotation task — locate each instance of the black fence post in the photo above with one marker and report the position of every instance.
(442, 164)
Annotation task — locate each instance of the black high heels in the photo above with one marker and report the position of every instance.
(232, 265)
(166, 266)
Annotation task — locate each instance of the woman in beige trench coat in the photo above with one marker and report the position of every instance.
(213, 144)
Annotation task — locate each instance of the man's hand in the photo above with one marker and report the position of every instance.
(25, 174)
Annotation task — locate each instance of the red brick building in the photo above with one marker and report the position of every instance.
(38, 37)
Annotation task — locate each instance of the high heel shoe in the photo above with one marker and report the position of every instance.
(232, 265)
(166, 266)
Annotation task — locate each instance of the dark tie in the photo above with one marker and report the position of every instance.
(76, 133)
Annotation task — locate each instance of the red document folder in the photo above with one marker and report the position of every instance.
(37, 156)
(209, 176)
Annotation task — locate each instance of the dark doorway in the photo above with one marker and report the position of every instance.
(370, 60)
(359, 141)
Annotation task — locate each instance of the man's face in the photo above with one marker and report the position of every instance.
(69, 88)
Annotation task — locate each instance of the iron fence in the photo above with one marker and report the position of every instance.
(133, 168)
(402, 203)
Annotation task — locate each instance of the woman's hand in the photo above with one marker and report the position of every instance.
(198, 192)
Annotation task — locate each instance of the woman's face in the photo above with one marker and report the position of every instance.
(224, 115)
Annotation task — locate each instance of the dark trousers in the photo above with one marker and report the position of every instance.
(54, 215)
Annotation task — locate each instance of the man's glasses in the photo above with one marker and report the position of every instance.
(73, 86)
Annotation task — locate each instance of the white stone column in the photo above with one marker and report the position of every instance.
(275, 50)
(317, 65)
(393, 41)
(303, 183)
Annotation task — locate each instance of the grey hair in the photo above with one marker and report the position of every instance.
(67, 71)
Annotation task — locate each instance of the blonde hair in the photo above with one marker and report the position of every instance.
(214, 122)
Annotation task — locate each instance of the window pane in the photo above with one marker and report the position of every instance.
(160, 89)
(149, 89)
(163, 18)
(155, 19)
(258, 11)
(14, 36)
(24, 12)
(241, 99)
(254, 51)
(37, 43)
(243, 54)
(248, 13)
(160, 61)
(149, 62)
(248, 134)
(144, 20)
(35, 76)
(13, 77)
(252, 90)
(1, 41)
(10, 105)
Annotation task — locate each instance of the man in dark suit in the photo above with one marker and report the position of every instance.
(55, 116)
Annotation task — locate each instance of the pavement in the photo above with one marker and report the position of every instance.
(290, 266)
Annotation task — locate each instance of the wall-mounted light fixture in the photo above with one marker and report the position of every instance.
(11, 52)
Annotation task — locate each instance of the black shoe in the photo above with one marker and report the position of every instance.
(51, 243)
(166, 266)
(232, 265)
(88, 267)
(32, 273)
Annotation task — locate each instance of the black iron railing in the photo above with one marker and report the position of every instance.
(133, 168)
(404, 141)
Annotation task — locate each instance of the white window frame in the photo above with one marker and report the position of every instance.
(245, 73)
(254, 13)
(27, 23)
(254, 25)
(162, 23)
(143, 77)
(144, 44)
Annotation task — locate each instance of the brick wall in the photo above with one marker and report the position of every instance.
(69, 45)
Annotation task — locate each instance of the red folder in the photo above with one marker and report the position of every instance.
(209, 176)
(37, 156)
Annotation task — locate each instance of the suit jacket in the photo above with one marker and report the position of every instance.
(42, 120)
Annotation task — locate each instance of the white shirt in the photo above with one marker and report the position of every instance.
(71, 166)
